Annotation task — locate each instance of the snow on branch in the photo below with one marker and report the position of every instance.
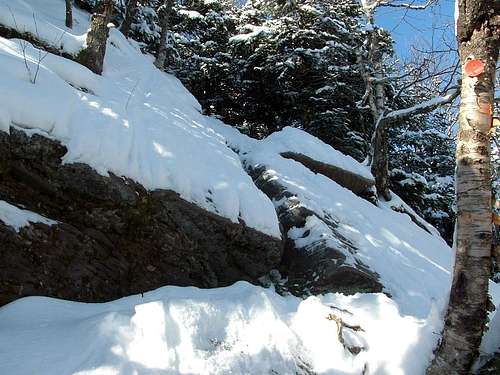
(424, 107)
(410, 5)
(370, 6)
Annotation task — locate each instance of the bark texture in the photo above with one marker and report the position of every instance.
(130, 15)
(380, 164)
(478, 37)
(165, 15)
(69, 14)
(93, 56)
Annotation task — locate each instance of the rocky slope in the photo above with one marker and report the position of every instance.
(113, 238)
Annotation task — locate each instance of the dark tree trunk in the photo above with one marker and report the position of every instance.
(165, 15)
(130, 14)
(380, 163)
(479, 39)
(93, 55)
(380, 139)
(69, 14)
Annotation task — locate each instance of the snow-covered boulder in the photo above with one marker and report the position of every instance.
(112, 237)
(318, 258)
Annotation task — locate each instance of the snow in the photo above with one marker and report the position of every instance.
(242, 329)
(314, 231)
(300, 142)
(138, 122)
(397, 204)
(423, 106)
(46, 23)
(18, 218)
(491, 339)
(191, 14)
(253, 32)
(413, 264)
(133, 121)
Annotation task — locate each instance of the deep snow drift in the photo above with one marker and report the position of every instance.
(138, 122)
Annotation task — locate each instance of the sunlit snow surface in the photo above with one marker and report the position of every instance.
(241, 329)
(134, 120)
(18, 218)
(141, 123)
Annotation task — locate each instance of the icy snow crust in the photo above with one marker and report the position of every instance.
(133, 121)
(17, 218)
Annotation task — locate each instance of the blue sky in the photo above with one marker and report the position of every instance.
(416, 26)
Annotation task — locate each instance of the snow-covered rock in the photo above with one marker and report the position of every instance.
(241, 329)
(113, 237)
(18, 218)
(133, 121)
(112, 153)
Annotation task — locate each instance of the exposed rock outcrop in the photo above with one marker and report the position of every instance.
(114, 237)
(354, 182)
(322, 266)
(492, 367)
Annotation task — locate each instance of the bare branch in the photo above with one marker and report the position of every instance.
(410, 5)
(424, 107)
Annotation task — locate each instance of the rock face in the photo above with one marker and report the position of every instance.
(357, 184)
(114, 238)
(492, 367)
(320, 267)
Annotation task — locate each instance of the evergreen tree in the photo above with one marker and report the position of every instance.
(422, 166)
(201, 32)
(422, 148)
(296, 66)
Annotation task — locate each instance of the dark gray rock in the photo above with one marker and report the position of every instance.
(319, 268)
(492, 367)
(114, 238)
(352, 181)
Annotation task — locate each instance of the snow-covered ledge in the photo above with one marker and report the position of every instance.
(18, 218)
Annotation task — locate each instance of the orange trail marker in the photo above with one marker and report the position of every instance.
(474, 68)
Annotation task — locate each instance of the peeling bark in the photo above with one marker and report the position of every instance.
(479, 38)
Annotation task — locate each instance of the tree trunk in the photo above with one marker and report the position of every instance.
(93, 55)
(495, 252)
(478, 39)
(130, 15)
(379, 164)
(69, 14)
(379, 161)
(165, 12)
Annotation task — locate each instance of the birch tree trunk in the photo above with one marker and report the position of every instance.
(130, 14)
(165, 13)
(69, 14)
(478, 39)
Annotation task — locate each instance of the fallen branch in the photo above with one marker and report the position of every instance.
(341, 325)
